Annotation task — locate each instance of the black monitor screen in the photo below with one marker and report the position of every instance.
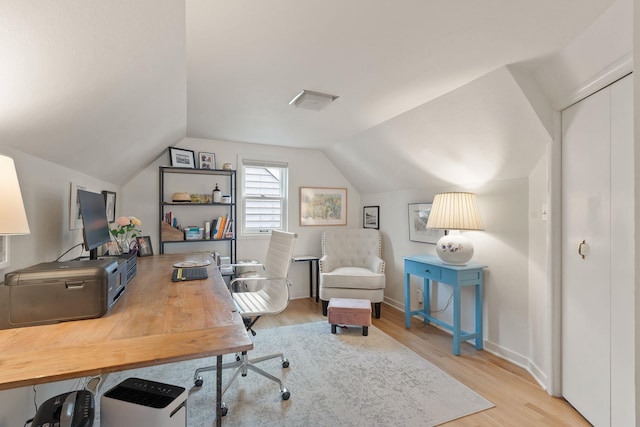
(94, 219)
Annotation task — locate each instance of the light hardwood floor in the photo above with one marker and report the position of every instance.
(518, 399)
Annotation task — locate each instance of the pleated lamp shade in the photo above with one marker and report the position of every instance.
(455, 211)
(13, 218)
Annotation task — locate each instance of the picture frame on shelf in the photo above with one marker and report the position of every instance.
(371, 217)
(323, 206)
(181, 158)
(110, 204)
(206, 160)
(144, 246)
(75, 220)
(418, 217)
(4, 251)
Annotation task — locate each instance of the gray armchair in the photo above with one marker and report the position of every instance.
(351, 266)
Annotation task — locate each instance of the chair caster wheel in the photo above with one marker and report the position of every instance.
(285, 363)
(285, 394)
(198, 382)
(224, 410)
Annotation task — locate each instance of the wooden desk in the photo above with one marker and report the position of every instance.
(431, 268)
(156, 321)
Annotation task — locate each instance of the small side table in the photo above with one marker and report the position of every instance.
(431, 268)
(311, 260)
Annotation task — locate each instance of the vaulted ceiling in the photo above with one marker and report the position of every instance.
(104, 87)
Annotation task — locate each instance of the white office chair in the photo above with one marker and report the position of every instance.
(271, 296)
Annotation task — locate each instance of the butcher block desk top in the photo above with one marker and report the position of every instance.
(155, 321)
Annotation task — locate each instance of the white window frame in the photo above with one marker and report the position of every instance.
(284, 199)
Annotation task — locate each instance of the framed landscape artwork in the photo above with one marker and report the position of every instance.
(323, 206)
(418, 217)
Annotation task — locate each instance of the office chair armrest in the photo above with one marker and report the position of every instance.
(246, 264)
(232, 284)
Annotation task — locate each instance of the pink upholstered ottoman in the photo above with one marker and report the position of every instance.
(347, 311)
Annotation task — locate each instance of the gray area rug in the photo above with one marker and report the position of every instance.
(344, 379)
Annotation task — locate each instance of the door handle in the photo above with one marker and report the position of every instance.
(583, 249)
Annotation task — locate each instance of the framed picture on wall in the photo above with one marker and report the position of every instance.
(110, 204)
(323, 206)
(371, 217)
(75, 220)
(181, 158)
(418, 217)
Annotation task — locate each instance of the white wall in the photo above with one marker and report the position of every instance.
(307, 168)
(539, 287)
(45, 190)
(503, 247)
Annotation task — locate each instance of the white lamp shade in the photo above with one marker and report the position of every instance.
(13, 218)
(455, 211)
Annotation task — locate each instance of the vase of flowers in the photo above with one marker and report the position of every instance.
(127, 228)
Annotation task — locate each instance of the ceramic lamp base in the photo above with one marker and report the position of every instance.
(454, 248)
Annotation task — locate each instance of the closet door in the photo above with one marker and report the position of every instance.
(586, 287)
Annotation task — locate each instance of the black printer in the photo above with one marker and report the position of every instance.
(53, 292)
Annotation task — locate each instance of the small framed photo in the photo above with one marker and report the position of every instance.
(181, 158)
(323, 206)
(4, 251)
(206, 160)
(371, 217)
(418, 217)
(110, 203)
(75, 220)
(144, 246)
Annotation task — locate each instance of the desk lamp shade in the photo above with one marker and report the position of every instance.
(454, 212)
(13, 218)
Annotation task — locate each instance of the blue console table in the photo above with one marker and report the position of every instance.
(431, 268)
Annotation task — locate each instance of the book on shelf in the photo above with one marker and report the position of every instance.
(214, 227)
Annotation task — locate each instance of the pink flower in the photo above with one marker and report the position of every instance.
(123, 220)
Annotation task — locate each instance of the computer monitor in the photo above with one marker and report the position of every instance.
(94, 220)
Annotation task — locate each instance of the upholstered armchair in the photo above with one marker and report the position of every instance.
(351, 266)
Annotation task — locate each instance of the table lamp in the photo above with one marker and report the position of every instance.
(13, 218)
(454, 212)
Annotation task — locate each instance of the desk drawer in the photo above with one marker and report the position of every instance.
(423, 270)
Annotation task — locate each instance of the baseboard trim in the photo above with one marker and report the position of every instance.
(495, 349)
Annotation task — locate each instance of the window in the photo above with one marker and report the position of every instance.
(264, 196)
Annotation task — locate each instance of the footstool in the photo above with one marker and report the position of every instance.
(348, 311)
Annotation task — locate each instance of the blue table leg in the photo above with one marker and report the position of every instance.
(479, 316)
(407, 300)
(426, 297)
(456, 320)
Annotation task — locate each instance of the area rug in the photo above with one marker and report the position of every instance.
(343, 379)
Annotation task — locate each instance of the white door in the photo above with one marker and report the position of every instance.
(597, 275)
(586, 287)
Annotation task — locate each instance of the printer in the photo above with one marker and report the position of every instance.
(52, 292)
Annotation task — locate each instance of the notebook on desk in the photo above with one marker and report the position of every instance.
(192, 273)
